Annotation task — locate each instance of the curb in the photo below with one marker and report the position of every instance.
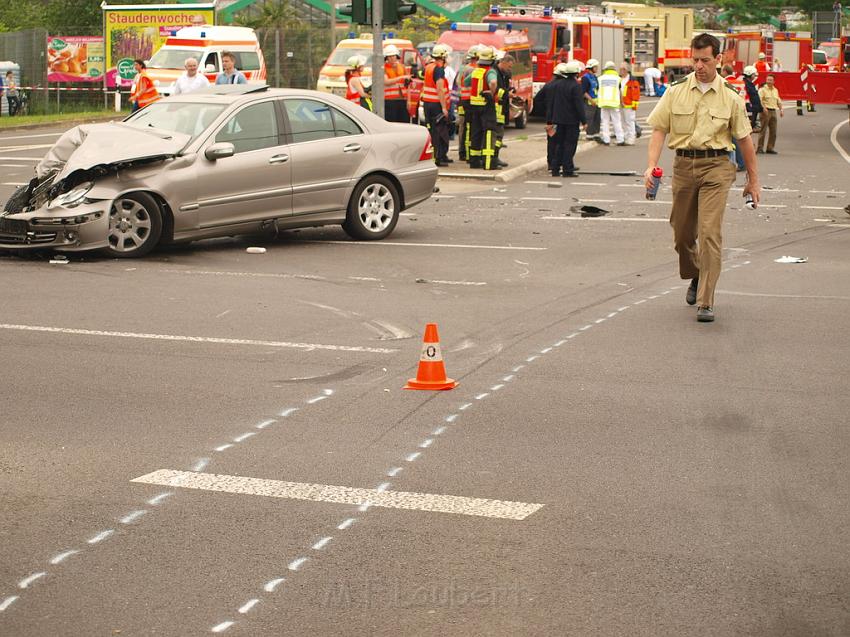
(511, 173)
(69, 122)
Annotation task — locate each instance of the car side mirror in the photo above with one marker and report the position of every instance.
(220, 151)
(209, 68)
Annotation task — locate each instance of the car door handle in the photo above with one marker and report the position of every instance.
(351, 148)
(279, 159)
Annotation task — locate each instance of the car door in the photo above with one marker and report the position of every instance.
(256, 182)
(327, 148)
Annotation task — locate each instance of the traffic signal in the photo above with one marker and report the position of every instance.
(358, 11)
(395, 10)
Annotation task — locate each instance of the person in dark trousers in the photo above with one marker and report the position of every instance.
(503, 103)
(590, 86)
(754, 107)
(12, 95)
(566, 114)
(545, 95)
(484, 86)
(435, 97)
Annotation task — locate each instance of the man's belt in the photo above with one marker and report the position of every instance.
(708, 152)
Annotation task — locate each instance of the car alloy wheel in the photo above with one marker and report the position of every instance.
(135, 225)
(373, 209)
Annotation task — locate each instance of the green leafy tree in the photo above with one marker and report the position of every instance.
(747, 11)
(422, 28)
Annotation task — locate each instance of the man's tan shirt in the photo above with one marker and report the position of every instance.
(769, 97)
(693, 119)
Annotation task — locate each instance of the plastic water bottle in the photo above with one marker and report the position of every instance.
(657, 173)
(749, 204)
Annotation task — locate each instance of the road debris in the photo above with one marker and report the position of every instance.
(589, 211)
(59, 259)
(255, 250)
(787, 259)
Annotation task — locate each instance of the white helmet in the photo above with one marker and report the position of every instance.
(609, 66)
(591, 63)
(499, 55)
(472, 52)
(561, 69)
(391, 49)
(573, 66)
(355, 62)
(749, 71)
(441, 51)
(486, 53)
(762, 55)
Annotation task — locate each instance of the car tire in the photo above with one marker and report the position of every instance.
(373, 209)
(17, 201)
(135, 226)
(522, 120)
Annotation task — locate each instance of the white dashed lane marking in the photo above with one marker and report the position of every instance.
(341, 495)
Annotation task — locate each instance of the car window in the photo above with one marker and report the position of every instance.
(247, 60)
(252, 128)
(212, 58)
(344, 124)
(309, 120)
(410, 58)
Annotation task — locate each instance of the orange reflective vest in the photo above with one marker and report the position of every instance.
(394, 91)
(429, 90)
(144, 92)
(351, 94)
(761, 66)
(738, 84)
(631, 94)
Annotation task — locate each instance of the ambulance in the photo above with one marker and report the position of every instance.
(463, 35)
(206, 43)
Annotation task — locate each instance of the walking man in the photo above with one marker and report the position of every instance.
(565, 112)
(191, 80)
(771, 103)
(701, 114)
(610, 99)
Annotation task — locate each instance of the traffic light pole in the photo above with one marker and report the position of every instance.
(377, 58)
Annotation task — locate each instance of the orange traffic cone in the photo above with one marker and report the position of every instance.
(431, 373)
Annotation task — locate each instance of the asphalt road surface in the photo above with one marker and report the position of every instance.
(210, 441)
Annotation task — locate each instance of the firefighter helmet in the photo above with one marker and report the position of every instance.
(750, 71)
(355, 62)
(591, 63)
(486, 54)
(391, 49)
(440, 52)
(572, 67)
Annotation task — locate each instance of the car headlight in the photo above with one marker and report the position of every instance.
(76, 196)
(61, 221)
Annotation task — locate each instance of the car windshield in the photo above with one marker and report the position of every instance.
(189, 118)
(819, 57)
(340, 56)
(173, 58)
(539, 33)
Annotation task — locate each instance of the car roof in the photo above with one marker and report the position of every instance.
(232, 93)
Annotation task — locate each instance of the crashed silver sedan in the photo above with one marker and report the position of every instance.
(229, 161)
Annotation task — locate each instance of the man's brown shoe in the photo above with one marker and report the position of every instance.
(705, 314)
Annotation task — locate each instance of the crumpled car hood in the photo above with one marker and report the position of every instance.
(89, 146)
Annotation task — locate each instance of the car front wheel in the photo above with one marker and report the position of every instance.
(135, 226)
(373, 209)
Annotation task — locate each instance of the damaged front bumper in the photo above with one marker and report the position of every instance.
(84, 227)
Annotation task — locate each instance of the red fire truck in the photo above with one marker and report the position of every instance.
(559, 36)
(837, 52)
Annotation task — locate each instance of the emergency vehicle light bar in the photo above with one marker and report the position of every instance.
(474, 26)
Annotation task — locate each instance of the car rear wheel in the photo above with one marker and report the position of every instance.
(373, 209)
(135, 226)
(522, 120)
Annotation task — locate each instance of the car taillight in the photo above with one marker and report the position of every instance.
(428, 151)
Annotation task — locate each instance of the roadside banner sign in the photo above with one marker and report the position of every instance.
(75, 58)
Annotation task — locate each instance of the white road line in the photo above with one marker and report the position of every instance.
(346, 524)
(13, 183)
(596, 219)
(829, 192)
(158, 498)
(8, 602)
(384, 486)
(439, 431)
(612, 314)
(132, 517)
(787, 296)
(200, 339)
(413, 456)
(833, 137)
(201, 464)
(15, 149)
(587, 183)
(341, 495)
(654, 296)
(262, 275)
(599, 200)
(517, 368)
(223, 447)
(488, 197)
(35, 159)
(220, 628)
(623, 309)
(273, 584)
(3, 139)
(551, 181)
(531, 359)
(30, 579)
(542, 198)
(508, 378)
(318, 546)
(585, 328)
(472, 283)
(248, 605)
(822, 208)
(573, 335)
(265, 423)
(286, 412)
(559, 343)
(545, 350)
(452, 417)
(427, 245)
(438, 197)
(294, 565)
(631, 186)
(244, 436)
(426, 443)
(769, 205)
(392, 473)
(639, 201)
(496, 387)
(482, 396)
(100, 537)
(58, 559)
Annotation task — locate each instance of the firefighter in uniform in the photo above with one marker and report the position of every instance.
(609, 101)
(396, 79)
(483, 83)
(701, 114)
(727, 72)
(565, 115)
(435, 98)
(463, 117)
(503, 101)
(355, 91)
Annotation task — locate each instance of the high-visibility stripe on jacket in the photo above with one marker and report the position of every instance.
(478, 86)
(609, 90)
(429, 90)
(395, 91)
(465, 89)
(144, 91)
(352, 94)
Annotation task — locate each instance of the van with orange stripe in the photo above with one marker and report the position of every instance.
(206, 44)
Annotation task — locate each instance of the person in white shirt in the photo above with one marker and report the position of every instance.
(191, 80)
(651, 76)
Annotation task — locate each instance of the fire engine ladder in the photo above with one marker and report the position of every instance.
(768, 47)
